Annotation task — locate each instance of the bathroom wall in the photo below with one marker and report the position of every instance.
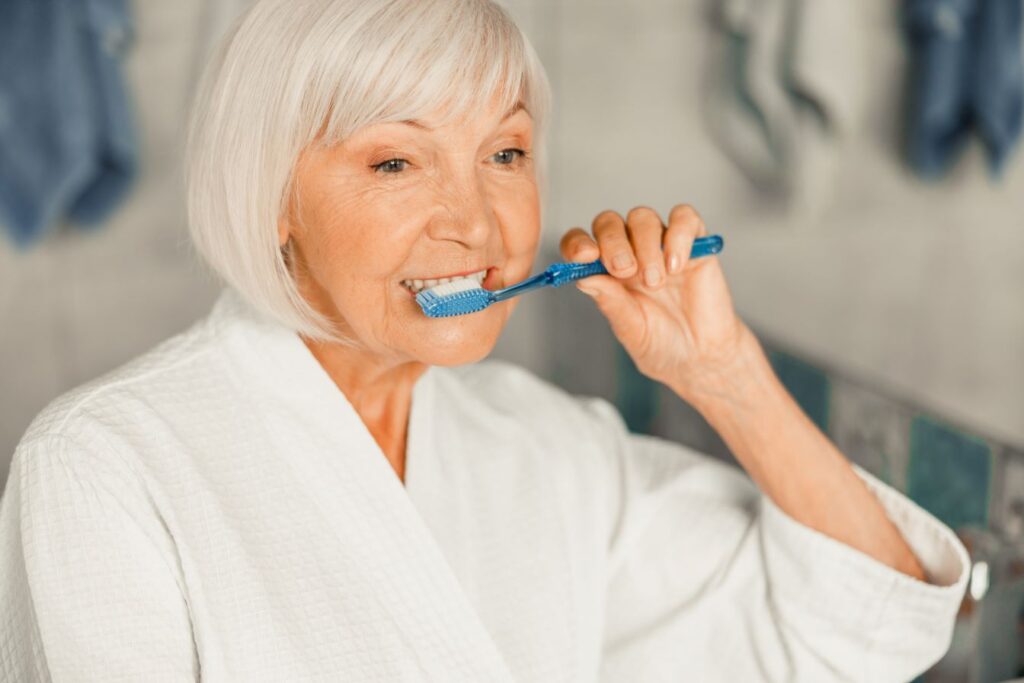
(912, 286)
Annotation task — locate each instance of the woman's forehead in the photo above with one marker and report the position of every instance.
(471, 120)
(426, 125)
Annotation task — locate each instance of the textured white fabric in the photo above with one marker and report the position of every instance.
(216, 509)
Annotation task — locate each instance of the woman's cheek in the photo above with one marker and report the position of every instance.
(520, 213)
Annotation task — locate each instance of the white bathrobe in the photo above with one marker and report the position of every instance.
(216, 509)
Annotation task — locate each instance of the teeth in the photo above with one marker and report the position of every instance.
(417, 285)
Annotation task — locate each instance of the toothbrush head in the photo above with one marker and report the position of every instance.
(454, 298)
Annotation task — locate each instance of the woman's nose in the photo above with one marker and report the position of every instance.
(466, 217)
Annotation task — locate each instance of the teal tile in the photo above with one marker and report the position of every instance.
(871, 430)
(680, 422)
(950, 473)
(807, 384)
(636, 395)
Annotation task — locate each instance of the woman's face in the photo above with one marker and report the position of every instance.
(396, 202)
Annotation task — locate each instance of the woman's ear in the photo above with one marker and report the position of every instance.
(287, 221)
(282, 232)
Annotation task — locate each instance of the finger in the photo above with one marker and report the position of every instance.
(684, 226)
(618, 305)
(577, 246)
(645, 229)
(616, 250)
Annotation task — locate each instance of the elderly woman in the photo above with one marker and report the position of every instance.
(319, 482)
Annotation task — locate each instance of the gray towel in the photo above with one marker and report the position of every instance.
(785, 91)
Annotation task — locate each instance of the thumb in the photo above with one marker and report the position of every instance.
(617, 304)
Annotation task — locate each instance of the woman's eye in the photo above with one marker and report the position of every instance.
(505, 157)
(390, 166)
(510, 155)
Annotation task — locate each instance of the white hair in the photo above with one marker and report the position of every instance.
(292, 73)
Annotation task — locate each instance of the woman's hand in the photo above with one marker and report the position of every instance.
(682, 330)
(673, 314)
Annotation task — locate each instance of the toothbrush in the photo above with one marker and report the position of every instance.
(465, 296)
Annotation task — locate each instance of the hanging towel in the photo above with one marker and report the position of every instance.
(67, 139)
(218, 509)
(998, 79)
(786, 90)
(941, 34)
(967, 73)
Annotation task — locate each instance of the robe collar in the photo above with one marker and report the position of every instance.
(414, 583)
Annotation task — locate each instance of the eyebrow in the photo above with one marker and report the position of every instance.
(419, 124)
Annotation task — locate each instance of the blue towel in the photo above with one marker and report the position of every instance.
(998, 79)
(67, 139)
(967, 74)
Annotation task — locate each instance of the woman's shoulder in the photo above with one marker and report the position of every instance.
(125, 395)
(94, 437)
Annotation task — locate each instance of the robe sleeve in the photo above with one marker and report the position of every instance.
(708, 580)
(89, 585)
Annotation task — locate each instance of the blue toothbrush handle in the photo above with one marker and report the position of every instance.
(564, 272)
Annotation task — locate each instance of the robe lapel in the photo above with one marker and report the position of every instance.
(386, 549)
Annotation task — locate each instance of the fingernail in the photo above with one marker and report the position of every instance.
(673, 263)
(651, 276)
(588, 292)
(622, 261)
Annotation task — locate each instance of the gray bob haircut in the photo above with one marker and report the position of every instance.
(293, 73)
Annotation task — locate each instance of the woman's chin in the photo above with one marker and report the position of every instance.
(455, 347)
(457, 340)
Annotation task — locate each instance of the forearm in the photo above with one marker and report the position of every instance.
(796, 465)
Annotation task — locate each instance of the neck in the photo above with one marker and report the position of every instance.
(380, 390)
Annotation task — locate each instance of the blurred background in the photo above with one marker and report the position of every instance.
(860, 158)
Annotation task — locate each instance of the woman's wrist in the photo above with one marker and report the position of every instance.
(735, 388)
(746, 405)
